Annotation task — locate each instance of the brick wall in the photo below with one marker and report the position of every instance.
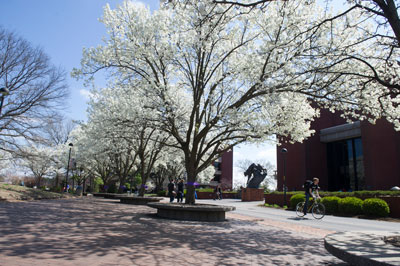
(211, 195)
(252, 194)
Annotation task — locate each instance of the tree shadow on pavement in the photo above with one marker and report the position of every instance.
(298, 218)
(96, 232)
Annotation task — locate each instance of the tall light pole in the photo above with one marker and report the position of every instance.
(3, 92)
(69, 158)
(284, 151)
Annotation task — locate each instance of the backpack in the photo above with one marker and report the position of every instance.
(307, 185)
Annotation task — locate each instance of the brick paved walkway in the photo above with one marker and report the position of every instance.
(91, 231)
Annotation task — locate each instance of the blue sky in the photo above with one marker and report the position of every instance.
(62, 28)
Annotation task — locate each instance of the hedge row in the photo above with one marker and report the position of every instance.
(359, 194)
(349, 205)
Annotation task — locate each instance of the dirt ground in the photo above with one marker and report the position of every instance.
(18, 193)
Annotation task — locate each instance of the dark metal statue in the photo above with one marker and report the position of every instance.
(255, 175)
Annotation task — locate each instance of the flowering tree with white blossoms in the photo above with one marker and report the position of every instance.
(42, 161)
(367, 65)
(120, 122)
(100, 156)
(215, 76)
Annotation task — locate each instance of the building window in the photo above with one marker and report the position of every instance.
(217, 166)
(345, 165)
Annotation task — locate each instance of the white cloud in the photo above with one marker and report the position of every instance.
(268, 154)
(265, 152)
(237, 155)
(239, 179)
(85, 93)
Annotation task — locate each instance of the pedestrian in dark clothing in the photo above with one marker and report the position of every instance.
(180, 191)
(171, 190)
(218, 192)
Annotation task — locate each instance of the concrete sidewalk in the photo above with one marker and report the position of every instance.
(91, 231)
(363, 248)
(355, 247)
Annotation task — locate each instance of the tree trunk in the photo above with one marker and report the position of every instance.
(190, 198)
(121, 183)
(39, 179)
(190, 188)
(56, 181)
(144, 179)
(141, 190)
(191, 178)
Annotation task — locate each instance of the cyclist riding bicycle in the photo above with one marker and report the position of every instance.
(311, 190)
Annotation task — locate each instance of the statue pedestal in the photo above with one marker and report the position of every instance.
(252, 194)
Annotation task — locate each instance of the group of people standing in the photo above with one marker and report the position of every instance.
(175, 189)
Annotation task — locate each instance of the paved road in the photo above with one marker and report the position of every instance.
(92, 231)
(329, 222)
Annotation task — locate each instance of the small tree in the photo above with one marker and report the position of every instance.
(41, 161)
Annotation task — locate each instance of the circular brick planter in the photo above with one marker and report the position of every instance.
(113, 196)
(99, 194)
(108, 195)
(196, 212)
(135, 200)
(363, 248)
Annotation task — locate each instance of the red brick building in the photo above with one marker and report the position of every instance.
(345, 156)
(224, 170)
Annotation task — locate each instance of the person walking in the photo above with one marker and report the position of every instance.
(218, 192)
(180, 191)
(311, 190)
(171, 190)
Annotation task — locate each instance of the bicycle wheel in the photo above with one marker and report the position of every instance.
(299, 209)
(318, 211)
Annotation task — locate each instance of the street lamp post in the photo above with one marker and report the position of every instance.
(69, 158)
(284, 151)
(3, 92)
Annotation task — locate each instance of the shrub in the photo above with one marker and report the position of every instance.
(375, 207)
(57, 189)
(331, 204)
(351, 206)
(162, 193)
(287, 193)
(112, 188)
(205, 190)
(128, 186)
(360, 194)
(296, 199)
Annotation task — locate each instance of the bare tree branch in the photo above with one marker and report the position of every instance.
(37, 89)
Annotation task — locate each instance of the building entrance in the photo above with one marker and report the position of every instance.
(345, 165)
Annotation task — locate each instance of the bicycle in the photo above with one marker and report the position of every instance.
(316, 208)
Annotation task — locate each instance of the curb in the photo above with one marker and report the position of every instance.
(363, 248)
